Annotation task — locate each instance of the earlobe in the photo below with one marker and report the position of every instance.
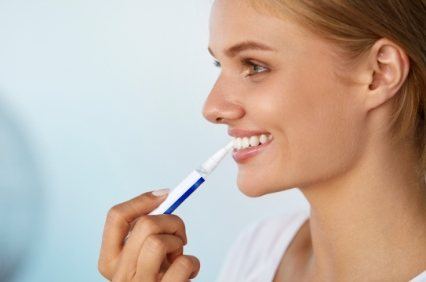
(390, 66)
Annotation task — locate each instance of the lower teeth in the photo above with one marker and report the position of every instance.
(249, 147)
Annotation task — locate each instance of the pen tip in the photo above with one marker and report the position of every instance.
(230, 145)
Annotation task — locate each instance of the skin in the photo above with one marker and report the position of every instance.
(328, 121)
(328, 139)
(153, 250)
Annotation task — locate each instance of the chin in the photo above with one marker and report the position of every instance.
(251, 188)
(255, 187)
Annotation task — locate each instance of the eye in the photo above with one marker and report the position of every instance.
(254, 68)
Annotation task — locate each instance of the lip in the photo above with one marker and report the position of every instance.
(239, 132)
(243, 155)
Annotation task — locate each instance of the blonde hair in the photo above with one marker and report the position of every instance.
(355, 25)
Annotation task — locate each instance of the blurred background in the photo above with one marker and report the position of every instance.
(101, 101)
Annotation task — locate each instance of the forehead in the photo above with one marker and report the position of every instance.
(234, 21)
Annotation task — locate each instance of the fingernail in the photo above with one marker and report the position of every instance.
(161, 192)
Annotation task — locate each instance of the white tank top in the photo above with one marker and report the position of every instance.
(257, 251)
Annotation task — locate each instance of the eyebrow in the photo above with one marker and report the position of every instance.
(243, 46)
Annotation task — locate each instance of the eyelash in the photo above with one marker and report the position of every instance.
(248, 63)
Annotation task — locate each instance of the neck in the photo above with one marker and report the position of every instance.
(371, 220)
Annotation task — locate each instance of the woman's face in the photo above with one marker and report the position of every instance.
(294, 89)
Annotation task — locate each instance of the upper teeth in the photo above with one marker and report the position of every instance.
(252, 141)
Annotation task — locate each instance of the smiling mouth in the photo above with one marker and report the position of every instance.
(242, 153)
(242, 143)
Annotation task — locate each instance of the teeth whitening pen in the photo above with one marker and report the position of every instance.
(191, 182)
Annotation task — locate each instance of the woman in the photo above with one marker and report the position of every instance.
(338, 87)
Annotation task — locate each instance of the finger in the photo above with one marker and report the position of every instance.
(172, 256)
(170, 259)
(160, 276)
(183, 268)
(145, 226)
(153, 253)
(118, 223)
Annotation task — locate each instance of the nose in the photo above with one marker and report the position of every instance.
(221, 106)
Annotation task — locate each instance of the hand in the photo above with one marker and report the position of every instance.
(141, 247)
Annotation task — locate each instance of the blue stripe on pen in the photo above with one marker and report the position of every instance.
(184, 196)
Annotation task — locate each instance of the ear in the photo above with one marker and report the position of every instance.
(388, 67)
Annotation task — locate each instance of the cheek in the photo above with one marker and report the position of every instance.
(317, 128)
(318, 132)
(321, 128)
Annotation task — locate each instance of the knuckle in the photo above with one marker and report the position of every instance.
(154, 243)
(177, 219)
(147, 224)
(115, 212)
(181, 227)
(103, 269)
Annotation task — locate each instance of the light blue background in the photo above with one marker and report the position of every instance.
(108, 95)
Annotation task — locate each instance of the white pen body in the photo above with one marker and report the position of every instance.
(182, 191)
